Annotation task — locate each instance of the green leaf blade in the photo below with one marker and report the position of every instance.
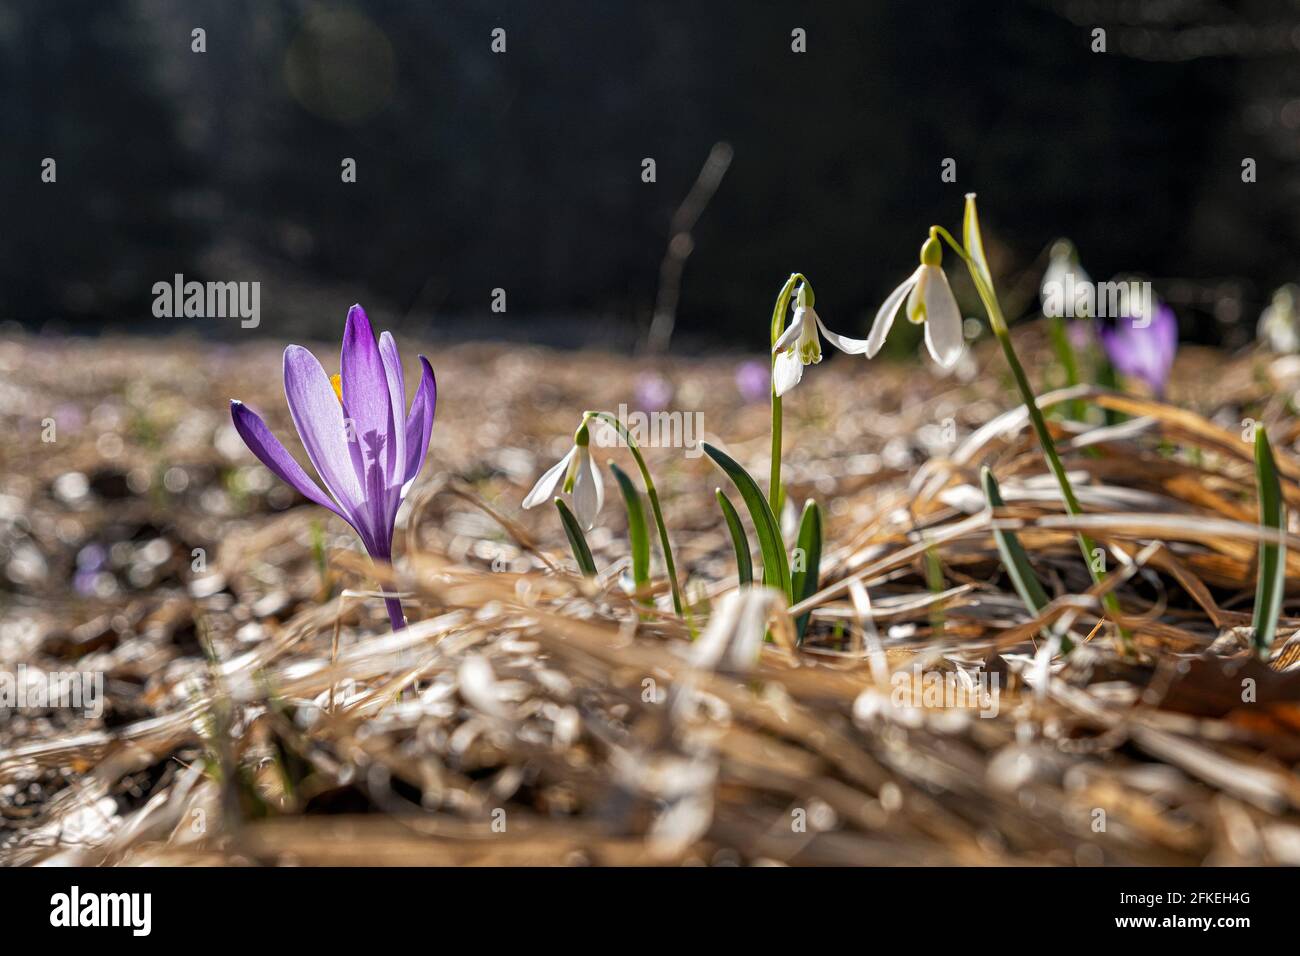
(1270, 586)
(638, 534)
(934, 581)
(1016, 561)
(739, 540)
(1014, 557)
(776, 570)
(577, 540)
(804, 583)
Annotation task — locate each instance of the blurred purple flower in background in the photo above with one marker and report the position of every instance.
(754, 379)
(91, 562)
(1143, 352)
(355, 429)
(653, 392)
(69, 417)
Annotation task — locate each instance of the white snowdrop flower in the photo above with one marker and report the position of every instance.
(800, 344)
(576, 475)
(930, 302)
(1279, 323)
(1066, 289)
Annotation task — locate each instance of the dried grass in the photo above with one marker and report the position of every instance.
(529, 717)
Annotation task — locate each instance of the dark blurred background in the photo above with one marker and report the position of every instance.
(522, 170)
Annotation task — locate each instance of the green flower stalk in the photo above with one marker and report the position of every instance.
(927, 301)
(793, 347)
(778, 327)
(1065, 277)
(577, 476)
(679, 604)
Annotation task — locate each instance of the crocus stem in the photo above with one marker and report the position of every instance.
(392, 604)
(999, 324)
(778, 326)
(612, 421)
(395, 614)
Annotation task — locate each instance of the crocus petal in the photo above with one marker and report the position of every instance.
(786, 372)
(419, 424)
(588, 490)
(276, 457)
(319, 419)
(549, 483)
(791, 333)
(1145, 352)
(841, 342)
(366, 397)
(396, 399)
(885, 317)
(943, 335)
(1166, 333)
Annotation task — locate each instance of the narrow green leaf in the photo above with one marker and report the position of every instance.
(776, 570)
(934, 581)
(804, 583)
(974, 242)
(739, 540)
(1271, 584)
(1014, 558)
(577, 540)
(637, 535)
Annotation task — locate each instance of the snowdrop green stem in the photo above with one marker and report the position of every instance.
(779, 312)
(679, 605)
(984, 287)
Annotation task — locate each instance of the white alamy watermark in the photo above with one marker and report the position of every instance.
(978, 690)
(208, 300)
(74, 908)
(29, 688)
(1068, 298)
(656, 430)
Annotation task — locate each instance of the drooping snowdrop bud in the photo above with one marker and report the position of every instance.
(800, 344)
(575, 475)
(929, 302)
(1066, 289)
(1279, 323)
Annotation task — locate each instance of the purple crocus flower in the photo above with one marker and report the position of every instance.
(355, 429)
(1146, 351)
